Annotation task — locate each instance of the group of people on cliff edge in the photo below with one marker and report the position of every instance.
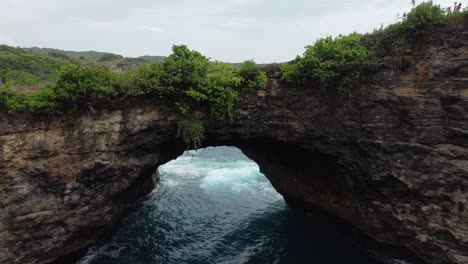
(456, 8)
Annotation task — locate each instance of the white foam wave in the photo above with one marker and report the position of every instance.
(222, 168)
(246, 179)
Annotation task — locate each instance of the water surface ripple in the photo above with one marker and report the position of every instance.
(214, 206)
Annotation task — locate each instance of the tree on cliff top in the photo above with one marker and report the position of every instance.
(337, 62)
(184, 69)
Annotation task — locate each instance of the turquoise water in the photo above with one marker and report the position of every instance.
(214, 206)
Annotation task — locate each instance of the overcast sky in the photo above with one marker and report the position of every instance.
(227, 30)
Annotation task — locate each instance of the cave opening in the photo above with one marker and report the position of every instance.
(214, 205)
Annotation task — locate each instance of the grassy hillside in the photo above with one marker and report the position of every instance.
(34, 67)
(31, 68)
(20, 67)
(97, 58)
(72, 54)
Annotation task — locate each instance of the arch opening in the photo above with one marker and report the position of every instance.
(215, 206)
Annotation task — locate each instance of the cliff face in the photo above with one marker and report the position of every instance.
(63, 183)
(392, 159)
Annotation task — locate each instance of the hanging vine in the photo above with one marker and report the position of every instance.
(192, 132)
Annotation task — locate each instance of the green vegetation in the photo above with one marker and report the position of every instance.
(61, 56)
(110, 57)
(153, 59)
(98, 59)
(192, 132)
(77, 86)
(19, 67)
(145, 80)
(193, 80)
(66, 81)
(187, 78)
(424, 25)
(93, 56)
(252, 76)
(71, 54)
(337, 62)
(422, 20)
(184, 70)
(220, 90)
(11, 100)
(342, 62)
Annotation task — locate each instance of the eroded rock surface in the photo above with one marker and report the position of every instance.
(64, 183)
(392, 159)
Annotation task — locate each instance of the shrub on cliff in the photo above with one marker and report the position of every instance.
(220, 89)
(184, 69)
(252, 76)
(190, 78)
(338, 62)
(5, 76)
(193, 80)
(419, 27)
(145, 80)
(44, 101)
(10, 100)
(422, 20)
(192, 132)
(78, 85)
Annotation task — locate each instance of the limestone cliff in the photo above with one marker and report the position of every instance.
(392, 159)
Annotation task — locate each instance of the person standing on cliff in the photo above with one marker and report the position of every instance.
(459, 7)
(455, 7)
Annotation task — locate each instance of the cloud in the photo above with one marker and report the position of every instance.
(153, 29)
(228, 30)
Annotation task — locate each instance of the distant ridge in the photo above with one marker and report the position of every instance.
(90, 54)
(153, 58)
(73, 54)
(36, 66)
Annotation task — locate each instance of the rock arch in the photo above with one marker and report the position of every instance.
(392, 161)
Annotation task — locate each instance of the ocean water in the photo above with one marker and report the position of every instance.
(215, 206)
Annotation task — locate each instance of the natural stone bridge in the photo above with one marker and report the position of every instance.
(392, 160)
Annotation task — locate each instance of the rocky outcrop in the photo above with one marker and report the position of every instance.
(392, 159)
(64, 183)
